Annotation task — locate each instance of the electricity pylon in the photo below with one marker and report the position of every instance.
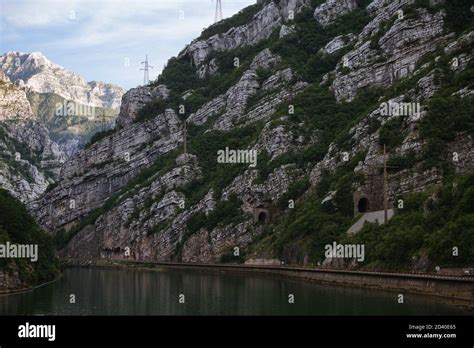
(385, 168)
(103, 119)
(185, 136)
(146, 74)
(218, 16)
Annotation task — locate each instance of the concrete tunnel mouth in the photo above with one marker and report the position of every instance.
(363, 205)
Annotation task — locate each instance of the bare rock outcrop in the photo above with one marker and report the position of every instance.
(262, 25)
(337, 43)
(30, 160)
(330, 10)
(233, 109)
(37, 72)
(404, 44)
(135, 99)
(94, 174)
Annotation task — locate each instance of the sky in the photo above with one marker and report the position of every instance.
(106, 40)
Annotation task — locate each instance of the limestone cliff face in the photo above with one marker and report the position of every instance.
(13, 102)
(136, 190)
(135, 99)
(72, 109)
(233, 106)
(262, 25)
(330, 10)
(134, 220)
(94, 174)
(42, 76)
(30, 160)
(394, 56)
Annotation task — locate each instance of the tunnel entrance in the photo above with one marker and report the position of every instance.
(262, 217)
(363, 205)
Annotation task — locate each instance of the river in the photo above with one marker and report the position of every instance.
(104, 291)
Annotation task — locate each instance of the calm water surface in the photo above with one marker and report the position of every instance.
(155, 292)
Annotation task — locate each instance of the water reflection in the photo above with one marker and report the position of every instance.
(138, 292)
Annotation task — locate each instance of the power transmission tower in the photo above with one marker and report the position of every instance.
(218, 17)
(185, 136)
(146, 75)
(103, 119)
(385, 186)
(385, 168)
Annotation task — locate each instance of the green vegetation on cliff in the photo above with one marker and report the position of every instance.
(240, 18)
(449, 114)
(310, 225)
(18, 227)
(224, 214)
(431, 223)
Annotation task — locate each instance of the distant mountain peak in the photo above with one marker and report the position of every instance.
(44, 76)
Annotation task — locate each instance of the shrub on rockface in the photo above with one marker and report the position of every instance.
(205, 146)
(447, 118)
(300, 50)
(18, 227)
(459, 15)
(391, 133)
(178, 75)
(242, 17)
(99, 136)
(225, 213)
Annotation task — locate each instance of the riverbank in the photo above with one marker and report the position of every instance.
(457, 291)
(28, 288)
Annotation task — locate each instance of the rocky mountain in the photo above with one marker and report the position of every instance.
(30, 160)
(38, 73)
(72, 109)
(320, 94)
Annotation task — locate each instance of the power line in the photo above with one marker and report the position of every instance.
(146, 74)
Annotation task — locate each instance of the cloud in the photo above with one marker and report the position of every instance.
(28, 13)
(94, 37)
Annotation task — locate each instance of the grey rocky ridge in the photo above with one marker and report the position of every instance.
(46, 113)
(71, 108)
(318, 89)
(41, 75)
(30, 160)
